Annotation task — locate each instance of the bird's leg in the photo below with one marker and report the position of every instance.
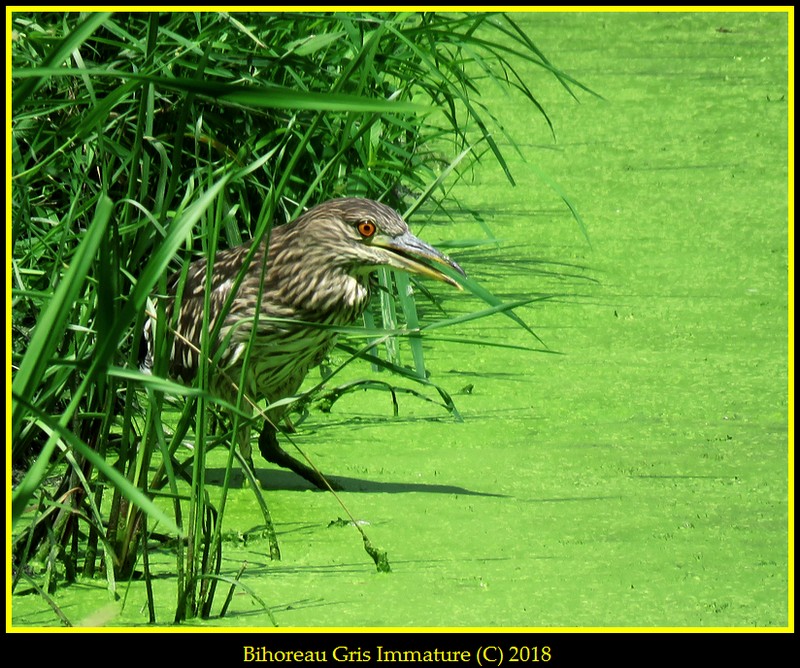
(243, 443)
(272, 452)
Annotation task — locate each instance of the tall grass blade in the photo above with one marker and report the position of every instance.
(53, 320)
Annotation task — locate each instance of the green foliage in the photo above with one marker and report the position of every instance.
(141, 141)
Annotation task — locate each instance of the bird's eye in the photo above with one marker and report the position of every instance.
(366, 228)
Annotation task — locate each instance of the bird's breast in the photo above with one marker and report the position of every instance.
(292, 338)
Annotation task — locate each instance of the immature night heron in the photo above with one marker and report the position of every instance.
(317, 273)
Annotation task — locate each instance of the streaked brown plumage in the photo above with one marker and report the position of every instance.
(317, 271)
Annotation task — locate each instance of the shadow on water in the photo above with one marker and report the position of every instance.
(280, 480)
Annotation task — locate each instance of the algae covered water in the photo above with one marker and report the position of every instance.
(634, 473)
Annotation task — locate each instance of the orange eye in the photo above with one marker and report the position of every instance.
(366, 228)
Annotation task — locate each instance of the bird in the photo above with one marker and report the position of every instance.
(307, 278)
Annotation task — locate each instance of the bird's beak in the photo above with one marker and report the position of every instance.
(413, 255)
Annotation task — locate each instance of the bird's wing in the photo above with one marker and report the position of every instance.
(188, 328)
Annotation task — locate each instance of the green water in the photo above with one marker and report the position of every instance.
(637, 479)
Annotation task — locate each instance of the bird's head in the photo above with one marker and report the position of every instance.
(360, 235)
